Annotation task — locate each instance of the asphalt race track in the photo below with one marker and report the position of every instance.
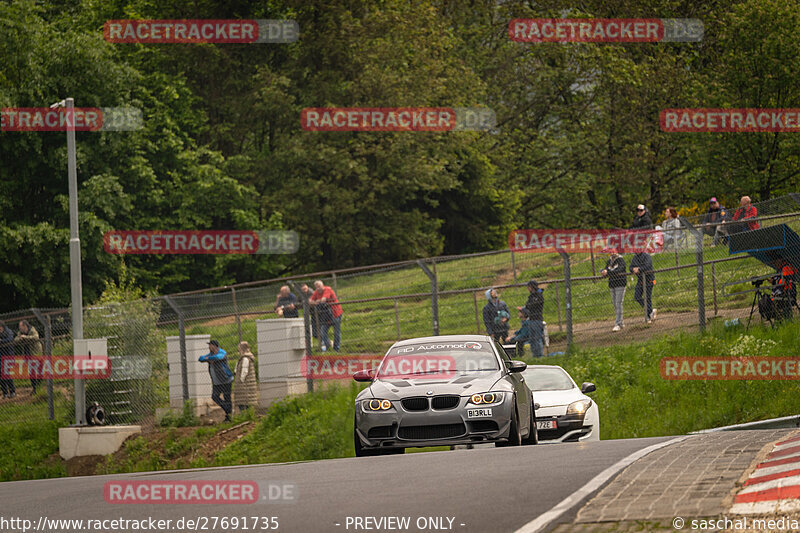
(477, 490)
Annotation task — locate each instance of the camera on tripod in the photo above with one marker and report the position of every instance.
(757, 283)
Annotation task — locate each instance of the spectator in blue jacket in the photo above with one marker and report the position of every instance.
(642, 267)
(495, 316)
(6, 354)
(221, 377)
(531, 331)
(617, 282)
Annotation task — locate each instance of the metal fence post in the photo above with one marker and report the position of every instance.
(48, 351)
(335, 288)
(714, 287)
(567, 297)
(434, 295)
(677, 262)
(558, 305)
(701, 299)
(397, 318)
(236, 312)
(307, 327)
(477, 320)
(594, 272)
(182, 339)
(513, 266)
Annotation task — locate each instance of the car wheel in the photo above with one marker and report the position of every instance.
(360, 450)
(391, 451)
(533, 434)
(514, 437)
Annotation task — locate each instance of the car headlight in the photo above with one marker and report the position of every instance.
(486, 398)
(376, 405)
(579, 408)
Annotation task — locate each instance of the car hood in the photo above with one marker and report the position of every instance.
(462, 385)
(553, 398)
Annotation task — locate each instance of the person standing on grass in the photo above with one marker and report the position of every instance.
(28, 345)
(221, 377)
(305, 294)
(617, 283)
(642, 266)
(6, 354)
(330, 314)
(245, 393)
(535, 311)
(495, 316)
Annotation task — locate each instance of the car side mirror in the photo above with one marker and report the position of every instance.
(363, 376)
(588, 387)
(517, 366)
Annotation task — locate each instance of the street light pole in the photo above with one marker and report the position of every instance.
(74, 254)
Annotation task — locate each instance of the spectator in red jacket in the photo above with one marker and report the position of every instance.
(746, 211)
(330, 314)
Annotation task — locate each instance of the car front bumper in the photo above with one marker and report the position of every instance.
(400, 428)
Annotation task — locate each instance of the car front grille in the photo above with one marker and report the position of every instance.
(445, 402)
(415, 404)
(440, 431)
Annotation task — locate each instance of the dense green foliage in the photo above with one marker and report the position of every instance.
(577, 143)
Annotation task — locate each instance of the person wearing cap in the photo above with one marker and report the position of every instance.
(715, 215)
(528, 332)
(495, 316)
(617, 283)
(535, 308)
(221, 376)
(642, 219)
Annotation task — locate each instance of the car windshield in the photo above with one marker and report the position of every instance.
(542, 379)
(437, 360)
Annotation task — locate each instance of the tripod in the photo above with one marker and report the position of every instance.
(756, 294)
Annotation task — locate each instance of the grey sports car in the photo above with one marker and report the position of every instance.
(445, 390)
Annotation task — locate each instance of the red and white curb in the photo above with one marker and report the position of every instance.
(774, 486)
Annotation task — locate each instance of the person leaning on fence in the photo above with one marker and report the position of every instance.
(325, 297)
(617, 283)
(6, 358)
(245, 392)
(305, 294)
(716, 214)
(495, 316)
(745, 212)
(286, 303)
(642, 266)
(221, 376)
(28, 345)
(535, 311)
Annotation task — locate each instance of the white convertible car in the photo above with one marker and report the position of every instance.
(563, 411)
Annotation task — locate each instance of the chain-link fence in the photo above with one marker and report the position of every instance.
(153, 344)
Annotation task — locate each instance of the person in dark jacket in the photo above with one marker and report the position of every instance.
(530, 331)
(495, 316)
(642, 267)
(617, 283)
(221, 377)
(642, 219)
(286, 303)
(716, 214)
(535, 308)
(6, 353)
(28, 345)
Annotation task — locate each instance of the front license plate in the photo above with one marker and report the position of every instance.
(546, 424)
(478, 413)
